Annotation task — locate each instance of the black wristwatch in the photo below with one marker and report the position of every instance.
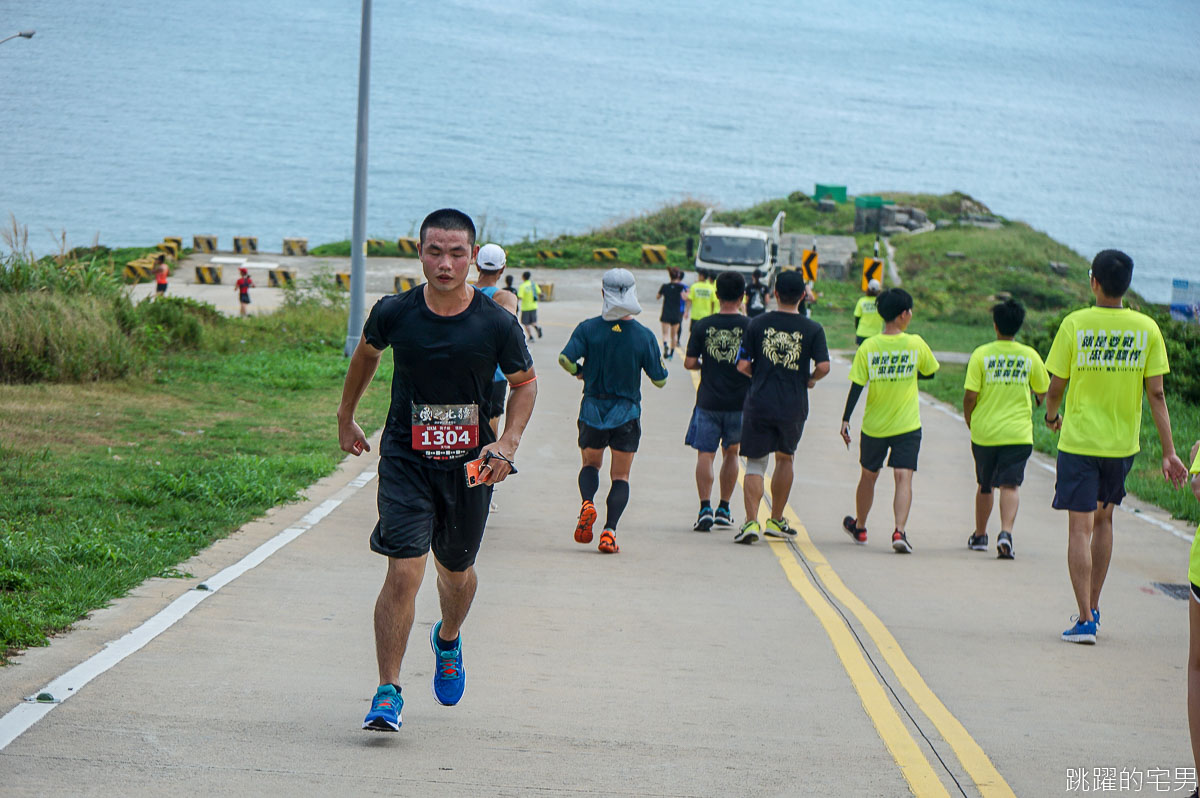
(1057, 416)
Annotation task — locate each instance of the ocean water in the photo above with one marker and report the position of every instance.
(133, 120)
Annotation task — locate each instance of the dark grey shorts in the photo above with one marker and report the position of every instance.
(1082, 481)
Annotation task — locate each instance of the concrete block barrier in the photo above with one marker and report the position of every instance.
(281, 278)
(408, 246)
(547, 291)
(205, 244)
(343, 280)
(654, 254)
(245, 245)
(605, 253)
(209, 275)
(549, 254)
(405, 282)
(295, 246)
(169, 248)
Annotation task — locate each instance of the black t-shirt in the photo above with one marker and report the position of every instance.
(782, 348)
(717, 340)
(756, 299)
(672, 294)
(444, 366)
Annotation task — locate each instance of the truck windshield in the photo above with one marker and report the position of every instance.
(732, 250)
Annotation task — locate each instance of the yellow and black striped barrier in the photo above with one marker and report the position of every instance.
(281, 278)
(546, 291)
(343, 280)
(654, 253)
(137, 270)
(405, 282)
(205, 244)
(872, 270)
(549, 254)
(245, 245)
(408, 246)
(604, 253)
(375, 246)
(810, 263)
(209, 275)
(169, 248)
(176, 240)
(295, 246)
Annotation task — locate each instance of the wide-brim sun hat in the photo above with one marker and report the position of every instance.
(620, 295)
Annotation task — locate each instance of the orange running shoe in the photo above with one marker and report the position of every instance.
(587, 517)
(608, 542)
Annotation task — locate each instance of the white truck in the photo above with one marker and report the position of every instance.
(741, 248)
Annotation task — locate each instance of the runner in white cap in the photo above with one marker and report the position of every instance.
(614, 350)
(867, 320)
(491, 262)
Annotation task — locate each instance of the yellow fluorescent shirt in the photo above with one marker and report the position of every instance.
(703, 296)
(888, 366)
(1003, 373)
(1194, 564)
(1106, 353)
(527, 293)
(869, 321)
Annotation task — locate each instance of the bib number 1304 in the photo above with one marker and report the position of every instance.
(443, 432)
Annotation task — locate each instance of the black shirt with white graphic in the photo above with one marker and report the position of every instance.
(756, 299)
(442, 361)
(717, 340)
(781, 348)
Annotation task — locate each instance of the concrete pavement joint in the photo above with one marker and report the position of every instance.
(19, 719)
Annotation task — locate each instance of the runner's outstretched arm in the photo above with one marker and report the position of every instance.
(851, 400)
(363, 364)
(521, 396)
(1172, 467)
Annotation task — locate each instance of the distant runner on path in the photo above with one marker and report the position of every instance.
(447, 340)
(867, 320)
(615, 351)
(757, 294)
(671, 294)
(998, 411)
(712, 350)
(491, 262)
(784, 355)
(244, 283)
(701, 299)
(160, 275)
(529, 294)
(1108, 353)
(890, 363)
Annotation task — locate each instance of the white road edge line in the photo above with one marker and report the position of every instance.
(19, 719)
(1135, 513)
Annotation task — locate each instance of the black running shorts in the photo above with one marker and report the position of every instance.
(904, 450)
(529, 316)
(1000, 466)
(1083, 481)
(423, 509)
(624, 438)
(762, 436)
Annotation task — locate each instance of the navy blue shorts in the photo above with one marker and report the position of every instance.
(713, 429)
(904, 447)
(1083, 481)
(1000, 466)
(423, 508)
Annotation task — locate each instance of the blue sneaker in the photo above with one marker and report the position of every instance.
(1081, 632)
(723, 517)
(1096, 617)
(449, 676)
(385, 710)
(704, 521)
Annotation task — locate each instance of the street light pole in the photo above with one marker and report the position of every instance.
(358, 235)
(25, 34)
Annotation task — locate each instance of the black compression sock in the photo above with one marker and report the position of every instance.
(589, 482)
(618, 497)
(705, 504)
(723, 505)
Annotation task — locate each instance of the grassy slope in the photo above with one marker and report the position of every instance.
(108, 484)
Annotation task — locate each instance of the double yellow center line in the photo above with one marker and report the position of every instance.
(914, 765)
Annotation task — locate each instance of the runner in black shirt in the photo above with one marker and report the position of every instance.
(672, 311)
(756, 295)
(784, 355)
(447, 340)
(713, 349)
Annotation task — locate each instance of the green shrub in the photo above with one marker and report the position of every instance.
(176, 322)
(48, 337)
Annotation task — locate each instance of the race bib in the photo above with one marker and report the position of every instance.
(444, 432)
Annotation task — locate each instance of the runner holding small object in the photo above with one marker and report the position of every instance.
(447, 340)
(244, 283)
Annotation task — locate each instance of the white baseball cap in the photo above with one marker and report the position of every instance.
(620, 295)
(873, 285)
(490, 258)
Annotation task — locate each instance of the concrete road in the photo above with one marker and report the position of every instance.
(683, 666)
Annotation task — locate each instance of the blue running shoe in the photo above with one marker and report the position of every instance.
(1096, 617)
(449, 676)
(385, 710)
(1081, 632)
(704, 521)
(723, 517)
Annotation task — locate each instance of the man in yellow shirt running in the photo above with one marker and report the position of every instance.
(998, 411)
(891, 363)
(868, 322)
(1107, 353)
(529, 294)
(701, 299)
